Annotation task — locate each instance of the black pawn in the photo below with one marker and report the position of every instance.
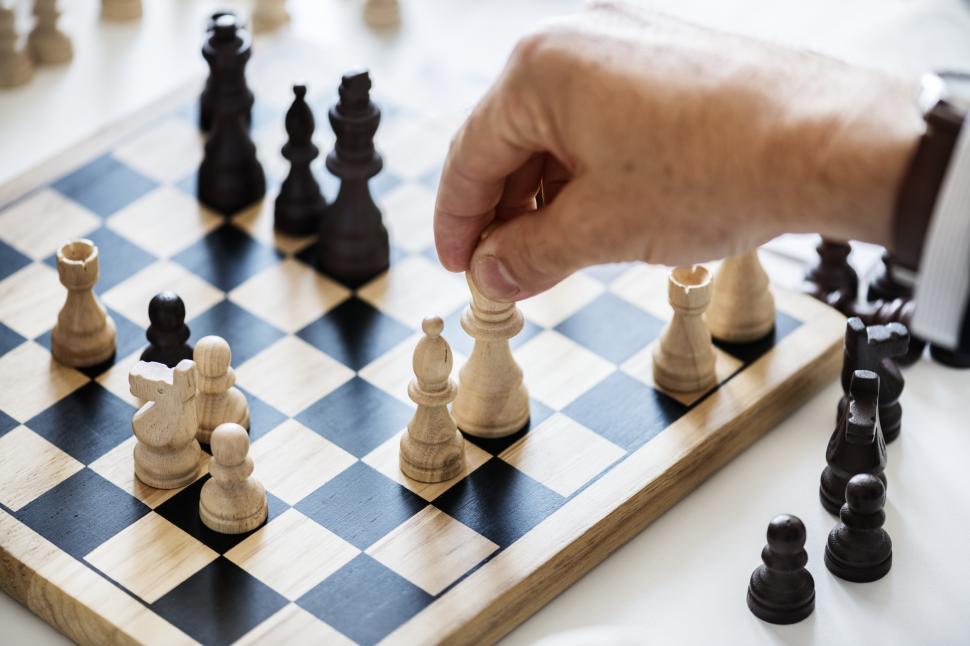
(227, 72)
(168, 333)
(353, 245)
(782, 591)
(857, 445)
(888, 285)
(230, 177)
(876, 348)
(832, 280)
(300, 205)
(858, 548)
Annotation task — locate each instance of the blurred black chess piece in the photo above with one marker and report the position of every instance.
(832, 279)
(227, 71)
(300, 204)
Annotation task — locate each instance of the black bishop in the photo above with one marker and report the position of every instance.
(300, 204)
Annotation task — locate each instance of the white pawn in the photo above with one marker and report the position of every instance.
(46, 42)
(492, 400)
(167, 454)
(15, 66)
(232, 501)
(432, 449)
(382, 13)
(742, 308)
(269, 15)
(218, 401)
(84, 334)
(683, 360)
(121, 10)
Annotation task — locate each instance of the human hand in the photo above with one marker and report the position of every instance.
(660, 141)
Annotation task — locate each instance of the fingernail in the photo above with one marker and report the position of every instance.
(494, 279)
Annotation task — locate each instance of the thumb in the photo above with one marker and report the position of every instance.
(530, 253)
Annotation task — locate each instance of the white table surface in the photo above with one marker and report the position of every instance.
(681, 581)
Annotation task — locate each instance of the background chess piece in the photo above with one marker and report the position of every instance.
(492, 399)
(227, 60)
(232, 501)
(898, 310)
(84, 334)
(875, 348)
(353, 245)
(167, 454)
(742, 308)
(16, 67)
(683, 358)
(167, 332)
(46, 43)
(382, 13)
(782, 591)
(432, 449)
(858, 548)
(269, 15)
(300, 204)
(121, 10)
(832, 279)
(218, 401)
(857, 445)
(888, 285)
(950, 358)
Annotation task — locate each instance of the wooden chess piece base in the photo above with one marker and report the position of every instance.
(382, 13)
(84, 334)
(432, 462)
(50, 47)
(232, 502)
(16, 70)
(121, 10)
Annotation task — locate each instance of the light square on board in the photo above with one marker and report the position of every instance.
(30, 466)
(289, 294)
(39, 224)
(257, 221)
(150, 557)
(292, 461)
(166, 151)
(131, 297)
(164, 222)
(293, 625)
(551, 307)
(645, 286)
(392, 371)
(407, 213)
(386, 459)
(117, 466)
(558, 370)
(31, 381)
(115, 379)
(415, 288)
(431, 549)
(640, 367)
(562, 454)
(291, 374)
(292, 554)
(413, 147)
(30, 300)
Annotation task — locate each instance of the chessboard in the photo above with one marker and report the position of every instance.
(352, 551)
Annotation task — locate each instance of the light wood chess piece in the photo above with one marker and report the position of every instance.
(167, 454)
(269, 15)
(232, 501)
(382, 13)
(742, 308)
(15, 66)
(683, 359)
(46, 43)
(492, 399)
(84, 334)
(121, 10)
(218, 400)
(432, 449)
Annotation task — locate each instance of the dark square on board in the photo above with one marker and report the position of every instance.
(7, 423)
(119, 259)
(11, 260)
(246, 334)
(538, 412)
(499, 502)
(612, 328)
(82, 512)
(360, 505)
(354, 333)
(105, 185)
(128, 338)
(263, 418)
(365, 600)
(9, 339)
(87, 423)
(227, 257)
(219, 604)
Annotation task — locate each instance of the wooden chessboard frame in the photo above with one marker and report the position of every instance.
(490, 602)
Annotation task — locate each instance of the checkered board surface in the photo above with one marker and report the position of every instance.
(352, 551)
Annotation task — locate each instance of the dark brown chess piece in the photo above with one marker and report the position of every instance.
(876, 348)
(888, 283)
(832, 279)
(353, 245)
(227, 72)
(858, 548)
(951, 358)
(167, 334)
(899, 310)
(856, 445)
(300, 204)
(782, 591)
